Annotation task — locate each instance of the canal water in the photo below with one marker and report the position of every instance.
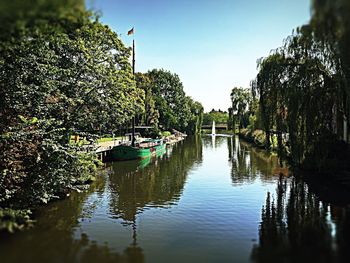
(204, 200)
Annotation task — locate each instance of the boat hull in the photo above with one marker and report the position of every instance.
(126, 152)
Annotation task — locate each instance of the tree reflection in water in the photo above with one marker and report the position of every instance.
(248, 163)
(158, 185)
(298, 227)
(53, 238)
(132, 187)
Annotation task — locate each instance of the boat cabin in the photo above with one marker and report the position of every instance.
(128, 136)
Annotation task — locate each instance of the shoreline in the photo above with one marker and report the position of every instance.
(333, 187)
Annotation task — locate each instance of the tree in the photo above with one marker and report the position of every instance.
(170, 99)
(61, 71)
(299, 90)
(71, 73)
(240, 99)
(151, 113)
(330, 23)
(196, 119)
(217, 116)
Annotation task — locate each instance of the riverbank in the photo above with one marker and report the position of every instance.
(17, 214)
(333, 179)
(257, 137)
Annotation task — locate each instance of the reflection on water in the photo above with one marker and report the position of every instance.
(52, 240)
(249, 163)
(157, 185)
(298, 227)
(204, 200)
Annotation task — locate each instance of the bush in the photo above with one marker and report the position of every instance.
(166, 133)
(259, 137)
(12, 220)
(36, 166)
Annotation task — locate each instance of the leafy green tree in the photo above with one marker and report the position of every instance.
(151, 113)
(170, 100)
(300, 96)
(215, 115)
(71, 73)
(330, 23)
(61, 71)
(196, 119)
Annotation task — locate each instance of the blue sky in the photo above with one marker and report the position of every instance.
(212, 45)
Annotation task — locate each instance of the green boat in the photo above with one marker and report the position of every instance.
(141, 150)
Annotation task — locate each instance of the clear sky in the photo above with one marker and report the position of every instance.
(212, 45)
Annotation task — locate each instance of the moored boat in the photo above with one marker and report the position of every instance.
(141, 150)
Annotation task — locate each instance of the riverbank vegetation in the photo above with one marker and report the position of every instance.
(166, 105)
(219, 116)
(63, 72)
(303, 92)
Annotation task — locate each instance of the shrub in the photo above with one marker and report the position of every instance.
(12, 220)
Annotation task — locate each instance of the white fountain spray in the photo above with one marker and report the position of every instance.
(213, 129)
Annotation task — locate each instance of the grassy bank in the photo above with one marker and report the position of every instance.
(258, 138)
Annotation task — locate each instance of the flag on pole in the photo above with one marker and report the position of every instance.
(131, 32)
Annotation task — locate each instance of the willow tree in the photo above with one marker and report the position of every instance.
(298, 96)
(240, 100)
(271, 87)
(331, 25)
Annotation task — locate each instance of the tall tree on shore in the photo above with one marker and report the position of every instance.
(331, 25)
(74, 70)
(61, 70)
(151, 113)
(240, 99)
(299, 90)
(170, 99)
(196, 118)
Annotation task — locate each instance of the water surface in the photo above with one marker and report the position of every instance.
(205, 200)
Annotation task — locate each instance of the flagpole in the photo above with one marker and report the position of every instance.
(133, 56)
(133, 72)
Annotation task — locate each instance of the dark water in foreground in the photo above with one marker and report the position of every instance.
(203, 201)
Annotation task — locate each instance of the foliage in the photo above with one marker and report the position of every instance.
(255, 136)
(303, 88)
(166, 104)
(331, 26)
(244, 111)
(13, 220)
(215, 115)
(61, 72)
(37, 168)
(170, 99)
(151, 114)
(166, 133)
(196, 116)
(73, 71)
